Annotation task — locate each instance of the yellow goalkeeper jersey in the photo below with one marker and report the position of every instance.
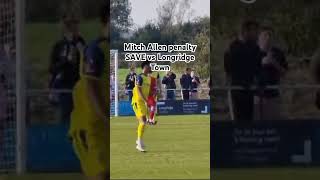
(93, 65)
(143, 81)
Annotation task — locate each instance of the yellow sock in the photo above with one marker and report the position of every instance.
(140, 130)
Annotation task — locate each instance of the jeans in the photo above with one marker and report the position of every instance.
(130, 94)
(171, 95)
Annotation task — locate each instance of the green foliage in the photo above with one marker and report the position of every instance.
(196, 32)
(296, 22)
(120, 21)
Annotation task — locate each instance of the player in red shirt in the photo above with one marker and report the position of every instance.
(152, 102)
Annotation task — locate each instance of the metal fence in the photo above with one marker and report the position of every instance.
(297, 101)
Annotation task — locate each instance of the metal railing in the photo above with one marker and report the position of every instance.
(297, 101)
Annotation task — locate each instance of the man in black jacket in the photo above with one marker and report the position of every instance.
(242, 64)
(186, 82)
(170, 84)
(195, 82)
(130, 81)
(64, 65)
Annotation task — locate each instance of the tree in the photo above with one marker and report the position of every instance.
(120, 11)
(120, 21)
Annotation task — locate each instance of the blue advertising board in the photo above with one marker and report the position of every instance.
(50, 149)
(271, 143)
(171, 107)
(180, 107)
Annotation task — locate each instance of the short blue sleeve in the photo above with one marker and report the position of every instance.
(93, 64)
(139, 80)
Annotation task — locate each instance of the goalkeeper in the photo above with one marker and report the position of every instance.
(89, 129)
(141, 92)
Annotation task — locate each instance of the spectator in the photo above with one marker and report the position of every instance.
(242, 62)
(195, 82)
(170, 85)
(209, 86)
(274, 66)
(316, 74)
(64, 65)
(130, 81)
(185, 82)
(6, 84)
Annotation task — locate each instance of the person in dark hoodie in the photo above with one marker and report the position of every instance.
(273, 68)
(242, 64)
(186, 83)
(64, 66)
(169, 82)
(130, 81)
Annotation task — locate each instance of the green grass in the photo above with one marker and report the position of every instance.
(220, 174)
(178, 147)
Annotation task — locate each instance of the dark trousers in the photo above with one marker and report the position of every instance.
(171, 95)
(185, 94)
(243, 105)
(65, 106)
(130, 94)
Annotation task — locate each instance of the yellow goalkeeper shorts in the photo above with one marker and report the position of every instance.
(140, 109)
(91, 147)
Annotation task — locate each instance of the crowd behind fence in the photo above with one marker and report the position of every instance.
(297, 102)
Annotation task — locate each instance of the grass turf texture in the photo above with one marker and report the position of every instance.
(221, 174)
(178, 147)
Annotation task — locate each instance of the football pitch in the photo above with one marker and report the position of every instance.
(177, 147)
(221, 174)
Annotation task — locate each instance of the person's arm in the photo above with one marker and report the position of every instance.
(97, 97)
(139, 85)
(281, 63)
(127, 80)
(182, 81)
(54, 56)
(227, 62)
(164, 80)
(273, 59)
(80, 43)
(92, 73)
(59, 57)
(197, 80)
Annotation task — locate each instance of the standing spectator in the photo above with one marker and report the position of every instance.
(242, 62)
(274, 66)
(6, 85)
(195, 82)
(185, 82)
(64, 65)
(170, 85)
(209, 86)
(130, 81)
(316, 74)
